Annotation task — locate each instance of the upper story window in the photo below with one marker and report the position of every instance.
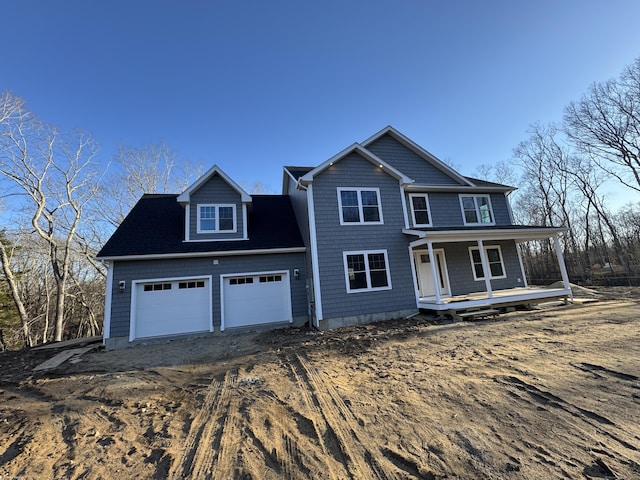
(216, 218)
(366, 271)
(494, 259)
(420, 210)
(359, 206)
(476, 209)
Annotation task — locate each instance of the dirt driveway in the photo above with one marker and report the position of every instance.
(553, 393)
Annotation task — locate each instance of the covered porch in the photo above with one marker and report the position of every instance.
(435, 285)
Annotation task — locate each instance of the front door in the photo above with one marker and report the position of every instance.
(426, 283)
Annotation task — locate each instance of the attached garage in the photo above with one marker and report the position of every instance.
(171, 307)
(255, 299)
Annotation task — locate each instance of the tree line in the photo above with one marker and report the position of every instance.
(58, 204)
(564, 170)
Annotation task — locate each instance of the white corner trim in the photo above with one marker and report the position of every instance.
(245, 221)
(187, 222)
(106, 326)
(317, 293)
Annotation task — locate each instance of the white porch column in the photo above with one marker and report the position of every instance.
(434, 272)
(563, 267)
(485, 269)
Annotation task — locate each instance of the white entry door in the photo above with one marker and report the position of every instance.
(426, 282)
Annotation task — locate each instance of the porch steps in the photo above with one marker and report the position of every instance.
(473, 314)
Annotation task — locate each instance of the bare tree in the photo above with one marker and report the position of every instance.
(6, 257)
(605, 125)
(152, 168)
(56, 179)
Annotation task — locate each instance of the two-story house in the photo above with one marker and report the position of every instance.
(379, 231)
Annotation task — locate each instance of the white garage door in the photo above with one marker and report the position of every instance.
(172, 307)
(256, 299)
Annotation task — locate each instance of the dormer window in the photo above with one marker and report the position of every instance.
(216, 218)
(476, 210)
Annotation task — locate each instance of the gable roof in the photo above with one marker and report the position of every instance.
(364, 153)
(418, 150)
(484, 183)
(155, 228)
(184, 197)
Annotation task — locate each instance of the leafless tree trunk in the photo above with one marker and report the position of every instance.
(6, 251)
(55, 173)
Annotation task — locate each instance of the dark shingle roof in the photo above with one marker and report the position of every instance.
(484, 183)
(155, 226)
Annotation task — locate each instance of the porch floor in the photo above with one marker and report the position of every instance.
(509, 296)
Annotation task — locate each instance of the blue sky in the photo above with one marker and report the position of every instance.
(255, 85)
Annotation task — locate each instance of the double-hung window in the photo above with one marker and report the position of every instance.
(359, 206)
(476, 210)
(420, 209)
(216, 218)
(494, 259)
(366, 271)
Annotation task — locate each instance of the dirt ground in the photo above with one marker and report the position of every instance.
(541, 394)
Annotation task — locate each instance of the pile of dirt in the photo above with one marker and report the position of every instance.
(551, 393)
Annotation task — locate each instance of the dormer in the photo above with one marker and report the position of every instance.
(215, 208)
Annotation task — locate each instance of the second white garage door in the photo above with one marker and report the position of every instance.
(255, 299)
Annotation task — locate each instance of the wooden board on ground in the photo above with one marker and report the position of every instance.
(62, 357)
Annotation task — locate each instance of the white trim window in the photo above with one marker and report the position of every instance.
(476, 210)
(359, 206)
(366, 271)
(494, 258)
(214, 218)
(420, 211)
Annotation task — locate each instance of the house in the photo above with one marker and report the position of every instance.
(378, 231)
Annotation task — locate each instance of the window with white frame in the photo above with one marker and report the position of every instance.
(420, 209)
(359, 206)
(476, 209)
(216, 218)
(366, 271)
(494, 259)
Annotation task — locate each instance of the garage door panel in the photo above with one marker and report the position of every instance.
(170, 310)
(257, 299)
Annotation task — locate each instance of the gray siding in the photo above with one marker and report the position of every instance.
(333, 239)
(298, 198)
(460, 270)
(406, 161)
(447, 212)
(215, 191)
(157, 269)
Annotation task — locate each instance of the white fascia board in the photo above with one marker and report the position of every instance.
(474, 235)
(184, 197)
(418, 150)
(366, 154)
(456, 188)
(226, 253)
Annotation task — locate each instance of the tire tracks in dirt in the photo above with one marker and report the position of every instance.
(340, 432)
(595, 421)
(203, 443)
